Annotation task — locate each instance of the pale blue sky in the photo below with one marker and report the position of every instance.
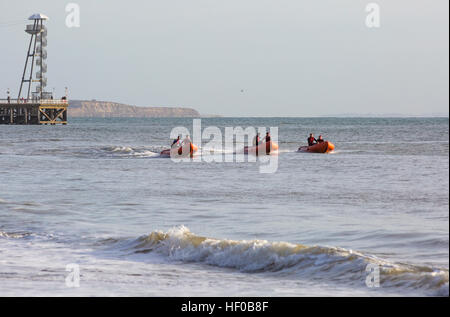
(290, 57)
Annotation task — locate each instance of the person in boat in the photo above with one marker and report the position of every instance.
(187, 144)
(256, 140)
(186, 141)
(320, 139)
(176, 142)
(311, 140)
(268, 143)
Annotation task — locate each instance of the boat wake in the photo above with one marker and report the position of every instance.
(14, 235)
(100, 152)
(125, 151)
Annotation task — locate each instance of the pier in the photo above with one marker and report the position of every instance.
(35, 111)
(38, 106)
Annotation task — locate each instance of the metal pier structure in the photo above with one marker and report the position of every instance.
(39, 106)
(38, 111)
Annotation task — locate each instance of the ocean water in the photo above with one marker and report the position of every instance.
(96, 193)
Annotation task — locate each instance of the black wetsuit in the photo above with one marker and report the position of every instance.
(311, 141)
(267, 139)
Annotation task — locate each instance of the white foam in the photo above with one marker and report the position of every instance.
(330, 263)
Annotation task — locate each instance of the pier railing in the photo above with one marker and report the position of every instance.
(34, 101)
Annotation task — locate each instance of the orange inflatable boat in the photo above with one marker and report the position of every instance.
(324, 147)
(177, 151)
(263, 148)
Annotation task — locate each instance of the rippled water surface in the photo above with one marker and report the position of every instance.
(96, 193)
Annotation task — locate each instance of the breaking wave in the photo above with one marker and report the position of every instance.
(293, 260)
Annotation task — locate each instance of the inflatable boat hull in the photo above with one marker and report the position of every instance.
(179, 151)
(324, 147)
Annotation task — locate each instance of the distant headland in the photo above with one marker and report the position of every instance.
(109, 109)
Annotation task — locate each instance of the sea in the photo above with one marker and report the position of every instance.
(92, 209)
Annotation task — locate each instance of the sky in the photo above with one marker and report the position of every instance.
(241, 57)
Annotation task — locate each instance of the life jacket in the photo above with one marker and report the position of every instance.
(311, 140)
